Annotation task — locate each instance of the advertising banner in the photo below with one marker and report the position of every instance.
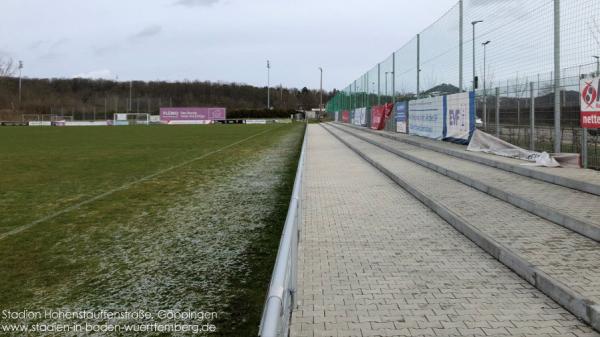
(460, 117)
(121, 117)
(380, 115)
(377, 117)
(191, 115)
(256, 121)
(39, 123)
(483, 142)
(400, 111)
(360, 117)
(426, 117)
(86, 123)
(590, 103)
(346, 116)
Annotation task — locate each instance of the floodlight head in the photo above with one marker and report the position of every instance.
(476, 22)
(20, 64)
(596, 57)
(486, 43)
(268, 64)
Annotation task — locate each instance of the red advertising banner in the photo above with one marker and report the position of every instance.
(346, 116)
(379, 115)
(590, 103)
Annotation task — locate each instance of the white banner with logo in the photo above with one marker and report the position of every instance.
(460, 117)
(360, 117)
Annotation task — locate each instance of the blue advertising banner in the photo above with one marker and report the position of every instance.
(460, 117)
(400, 112)
(426, 117)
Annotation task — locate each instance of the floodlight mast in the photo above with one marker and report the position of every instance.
(484, 84)
(20, 81)
(321, 93)
(268, 85)
(474, 23)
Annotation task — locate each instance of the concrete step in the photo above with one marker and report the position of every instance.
(572, 209)
(578, 179)
(561, 263)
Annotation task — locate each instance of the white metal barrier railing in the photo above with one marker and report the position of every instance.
(281, 297)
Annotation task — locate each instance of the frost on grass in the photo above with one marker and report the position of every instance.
(184, 257)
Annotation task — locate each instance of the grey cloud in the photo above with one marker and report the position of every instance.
(58, 43)
(47, 45)
(147, 32)
(36, 45)
(192, 3)
(105, 50)
(49, 56)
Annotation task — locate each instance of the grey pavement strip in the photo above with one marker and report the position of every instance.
(375, 261)
(573, 209)
(561, 263)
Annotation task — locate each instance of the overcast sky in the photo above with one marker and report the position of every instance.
(216, 40)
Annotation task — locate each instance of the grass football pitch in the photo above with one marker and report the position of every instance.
(144, 218)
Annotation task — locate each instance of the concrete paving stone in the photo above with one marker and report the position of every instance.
(361, 230)
(568, 257)
(568, 207)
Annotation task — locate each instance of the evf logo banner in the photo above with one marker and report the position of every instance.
(460, 117)
(590, 103)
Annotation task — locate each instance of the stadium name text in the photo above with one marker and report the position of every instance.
(104, 314)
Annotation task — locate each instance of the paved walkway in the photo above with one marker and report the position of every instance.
(567, 256)
(376, 262)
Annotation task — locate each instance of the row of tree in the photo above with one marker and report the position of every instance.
(77, 95)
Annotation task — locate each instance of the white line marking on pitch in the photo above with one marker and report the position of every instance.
(123, 187)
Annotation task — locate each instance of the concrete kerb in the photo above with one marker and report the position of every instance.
(585, 309)
(588, 230)
(521, 170)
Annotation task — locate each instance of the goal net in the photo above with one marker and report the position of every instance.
(131, 119)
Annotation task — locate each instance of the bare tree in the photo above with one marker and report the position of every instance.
(7, 67)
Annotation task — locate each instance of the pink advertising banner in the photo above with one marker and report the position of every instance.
(168, 115)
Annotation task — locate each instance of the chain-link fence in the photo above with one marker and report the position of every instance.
(507, 52)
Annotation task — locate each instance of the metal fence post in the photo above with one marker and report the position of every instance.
(531, 118)
(394, 77)
(418, 65)
(460, 45)
(497, 112)
(485, 114)
(557, 74)
(584, 149)
(379, 83)
(365, 88)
